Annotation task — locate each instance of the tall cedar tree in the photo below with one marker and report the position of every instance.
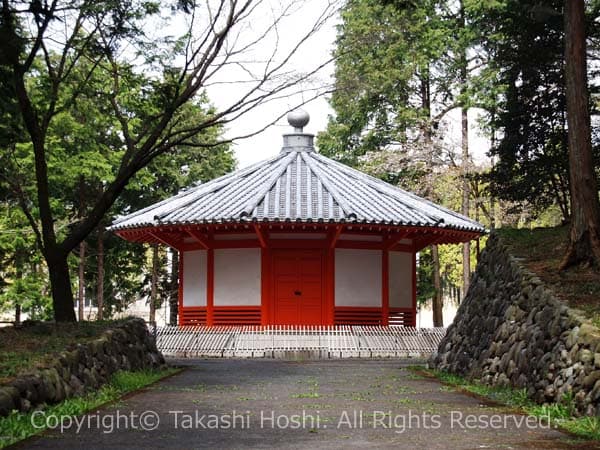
(525, 41)
(584, 241)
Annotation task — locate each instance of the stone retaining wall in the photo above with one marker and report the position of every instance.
(127, 346)
(511, 331)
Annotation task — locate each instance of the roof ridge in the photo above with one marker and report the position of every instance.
(148, 208)
(244, 171)
(381, 187)
(391, 190)
(344, 206)
(219, 183)
(266, 187)
(391, 202)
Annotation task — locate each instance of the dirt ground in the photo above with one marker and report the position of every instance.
(234, 403)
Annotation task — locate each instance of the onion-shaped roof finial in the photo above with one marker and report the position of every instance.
(298, 119)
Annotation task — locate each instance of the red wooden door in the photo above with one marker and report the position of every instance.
(298, 287)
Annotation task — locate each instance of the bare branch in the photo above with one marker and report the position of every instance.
(221, 44)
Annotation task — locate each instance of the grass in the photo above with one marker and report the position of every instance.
(561, 414)
(541, 251)
(306, 395)
(360, 396)
(18, 426)
(403, 390)
(505, 396)
(314, 387)
(28, 347)
(317, 406)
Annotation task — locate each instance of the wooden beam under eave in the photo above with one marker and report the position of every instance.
(426, 241)
(164, 240)
(336, 236)
(393, 241)
(438, 239)
(406, 248)
(124, 235)
(259, 232)
(133, 235)
(454, 237)
(200, 238)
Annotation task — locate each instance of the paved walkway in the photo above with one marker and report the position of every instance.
(228, 403)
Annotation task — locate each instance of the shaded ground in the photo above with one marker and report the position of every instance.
(541, 250)
(398, 408)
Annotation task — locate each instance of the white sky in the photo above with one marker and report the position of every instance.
(268, 143)
(316, 51)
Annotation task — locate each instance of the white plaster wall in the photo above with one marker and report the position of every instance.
(358, 277)
(400, 279)
(194, 278)
(237, 277)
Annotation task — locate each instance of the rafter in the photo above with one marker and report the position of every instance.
(428, 240)
(201, 238)
(335, 236)
(165, 240)
(395, 239)
(261, 237)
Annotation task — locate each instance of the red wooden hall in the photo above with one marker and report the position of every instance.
(298, 239)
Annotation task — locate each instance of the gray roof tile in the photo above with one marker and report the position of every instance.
(297, 185)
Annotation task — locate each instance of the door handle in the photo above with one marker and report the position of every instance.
(297, 293)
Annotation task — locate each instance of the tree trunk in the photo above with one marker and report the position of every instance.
(492, 199)
(81, 279)
(584, 241)
(55, 255)
(174, 290)
(81, 271)
(18, 276)
(465, 159)
(465, 197)
(20, 258)
(100, 296)
(17, 313)
(437, 302)
(36, 269)
(154, 283)
(60, 287)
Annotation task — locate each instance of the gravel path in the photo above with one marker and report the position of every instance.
(229, 403)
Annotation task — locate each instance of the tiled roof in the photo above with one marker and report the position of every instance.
(298, 185)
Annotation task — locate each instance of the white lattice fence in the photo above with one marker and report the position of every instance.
(298, 341)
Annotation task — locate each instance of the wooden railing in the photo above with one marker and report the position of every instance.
(307, 341)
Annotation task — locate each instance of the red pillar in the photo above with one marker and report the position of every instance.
(265, 280)
(385, 288)
(180, 290)
(210, 285)
(414, 291)
(330, 283)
